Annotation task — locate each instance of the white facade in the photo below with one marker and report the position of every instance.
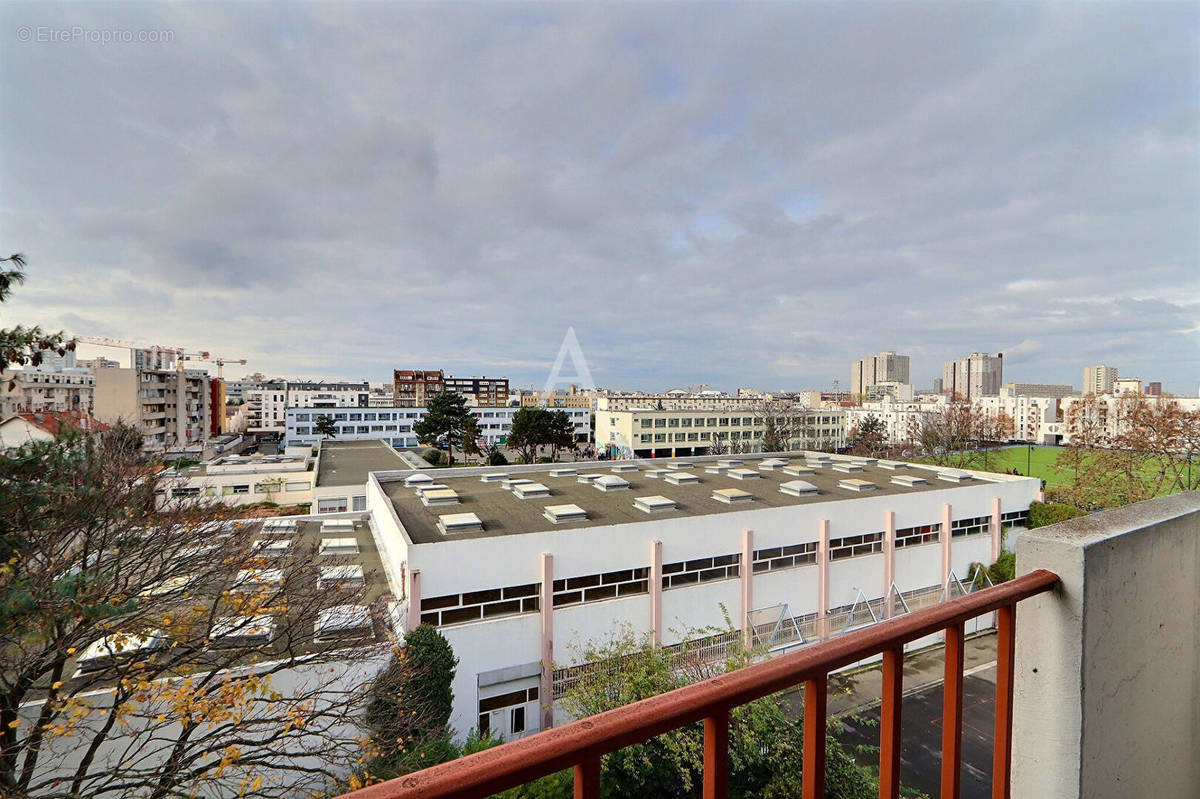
(395, 425)
(286, 479)
(652, 432)
(267, 406)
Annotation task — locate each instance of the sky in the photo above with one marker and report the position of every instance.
(723, 194)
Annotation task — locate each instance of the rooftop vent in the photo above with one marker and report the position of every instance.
(954, 476)
(271, 548)
(732, 495)
(171, 585)
(797, 471)
(892, 466)
(816, 464)
(679, 465)
(421, 490)
(417, 479)
(342, 622)
(350, 574)
(513, 482)
(563, 472)
(771, 464)
(742, 474)
(587, 478)
(866, 461)
(856, 485)
(239, 630)
(119, 647)
(441, 496)
(908, 480)
(655, 504)
(847, 467)
(624, 467)
(798, 488)
(716, 468)
(655, 474)
(560, 514)
(681, 478)
(729, 462)
(251, 579)
(459, 523)
(610, 482)
(493, 477)
(530, 490)
(337, 525)
(338, 546)
(279, 526)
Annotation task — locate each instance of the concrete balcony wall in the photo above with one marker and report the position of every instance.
(1107, 701)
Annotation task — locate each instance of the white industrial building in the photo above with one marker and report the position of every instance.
(267, 406)
(514, 566)
(395, 425)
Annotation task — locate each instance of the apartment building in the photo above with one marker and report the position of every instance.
(266, 407)
(1126, 385)
(395, 425)
(44, 391)
(169, 416)
(1037, 390)
(977, 375)
(1099, 379)
(884, 368)
(1107, 412)
(1035, 420)
(685, 401)
(485, 392)
(647, 433)
(557, 399)
(413, 388)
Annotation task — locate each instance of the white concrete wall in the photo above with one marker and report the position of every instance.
(1107, 701)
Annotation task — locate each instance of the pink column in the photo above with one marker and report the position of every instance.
(414, 598)
(947, 530)
(656, 591)
(746, 572)
(546, 605)
(889, 561)
(822, 576)
(994, 529)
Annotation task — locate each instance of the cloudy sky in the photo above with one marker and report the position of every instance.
(725, 194)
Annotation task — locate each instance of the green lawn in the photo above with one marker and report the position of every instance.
(1035, 462)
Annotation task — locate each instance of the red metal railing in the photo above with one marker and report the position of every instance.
(582, 743)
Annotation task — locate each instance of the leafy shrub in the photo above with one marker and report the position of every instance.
(433, 456)
(1044, 513)
(496, 458)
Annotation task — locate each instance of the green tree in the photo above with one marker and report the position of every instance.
(560, 432)
(409, 705)
(20, 346)
(765, 736)
(869, 437)
(449, 423)
(529, 430)
(325, 426)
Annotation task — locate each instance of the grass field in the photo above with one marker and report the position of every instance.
(1032, 462)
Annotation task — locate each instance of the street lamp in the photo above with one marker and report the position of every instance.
(1028, 460)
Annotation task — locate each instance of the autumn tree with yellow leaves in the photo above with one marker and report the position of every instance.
(160, 652)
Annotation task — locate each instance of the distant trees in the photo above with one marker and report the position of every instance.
(960, 434)
(449, 423)
(325, 426)
(534, 427)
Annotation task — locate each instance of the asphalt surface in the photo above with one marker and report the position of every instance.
(921, 748)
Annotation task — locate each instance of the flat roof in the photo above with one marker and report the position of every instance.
(347, 463)
(503, 513)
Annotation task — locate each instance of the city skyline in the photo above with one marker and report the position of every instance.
(337, 193)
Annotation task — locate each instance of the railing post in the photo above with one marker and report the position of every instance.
(952, 701)
(889, 723)
(1002, 734)
(813, 774)
(716, 755)
(587, 779)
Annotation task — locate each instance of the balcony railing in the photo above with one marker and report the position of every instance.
(582, 743)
